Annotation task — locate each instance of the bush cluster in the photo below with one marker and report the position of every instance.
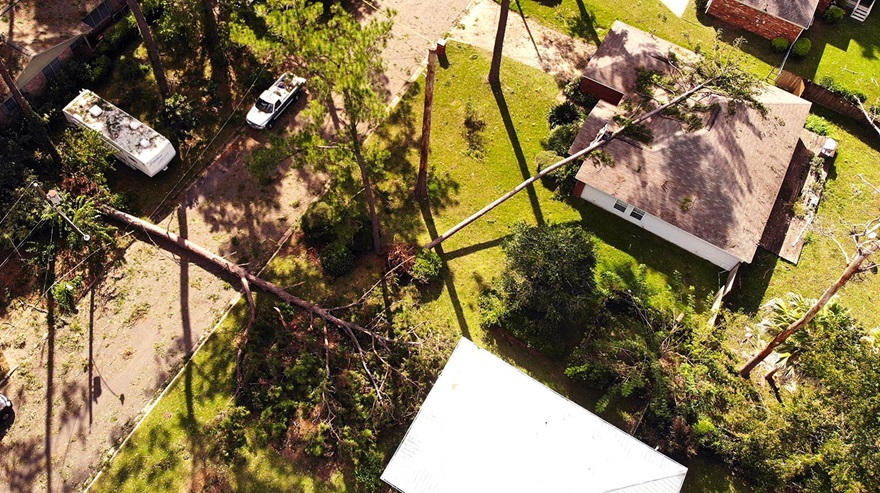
(564, 114)
(561, 138)
(843, 91)
(801, 48)
(426, 267)
(833, 14)
(337, 259)
(573, 94)
(333, 226)
(780, 44)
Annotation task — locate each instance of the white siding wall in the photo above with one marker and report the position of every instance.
(661, 228)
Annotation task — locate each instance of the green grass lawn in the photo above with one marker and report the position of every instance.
(166, 453)
(848, 51)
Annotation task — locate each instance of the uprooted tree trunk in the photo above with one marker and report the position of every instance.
(247, 279)
(872, 119)
(853, 267)
(549, 169)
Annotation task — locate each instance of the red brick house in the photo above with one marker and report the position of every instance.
(769, 18)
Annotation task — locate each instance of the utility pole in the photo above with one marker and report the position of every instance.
(421, 191)
(54, 200)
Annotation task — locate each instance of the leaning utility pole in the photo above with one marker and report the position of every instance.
(421, 191)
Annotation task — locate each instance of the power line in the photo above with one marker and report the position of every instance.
(199, 157)
(22, 242)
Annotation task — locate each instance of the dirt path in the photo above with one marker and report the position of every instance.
(79, 389)
(101, 366)
(525, 40)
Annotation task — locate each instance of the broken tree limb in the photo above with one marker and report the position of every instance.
(872, 120)
(553, 167)
(237, 271)
(865, 250)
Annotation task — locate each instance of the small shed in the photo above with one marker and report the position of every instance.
(486, 426)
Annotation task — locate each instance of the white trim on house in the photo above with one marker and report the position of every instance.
(659, 227)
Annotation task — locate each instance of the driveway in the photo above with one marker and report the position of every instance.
(83, 382)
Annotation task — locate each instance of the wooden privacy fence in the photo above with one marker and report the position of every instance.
(815, 93)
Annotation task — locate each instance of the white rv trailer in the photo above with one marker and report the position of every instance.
(134, 143)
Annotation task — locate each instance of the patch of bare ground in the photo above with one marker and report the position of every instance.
(82, 382)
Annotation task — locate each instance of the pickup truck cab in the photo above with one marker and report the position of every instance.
(5, 408)
(273, 101)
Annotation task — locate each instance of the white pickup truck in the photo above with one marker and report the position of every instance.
(275, 100)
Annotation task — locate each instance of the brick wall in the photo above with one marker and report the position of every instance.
(758, 22)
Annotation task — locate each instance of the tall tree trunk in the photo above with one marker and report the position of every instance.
(227, 266)
(152, 49)
(219, 64)
(368, 187)
(850, 270)
(495, 70)
(421, 191)
(35, 124)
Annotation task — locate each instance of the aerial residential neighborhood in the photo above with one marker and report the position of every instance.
(459, 246)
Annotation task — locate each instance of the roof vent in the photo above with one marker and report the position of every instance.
(145, 143)
(95, 111)
(134, 124)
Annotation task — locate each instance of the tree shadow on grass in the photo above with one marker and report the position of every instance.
(446, 273)
(518, 152)
(584, 25)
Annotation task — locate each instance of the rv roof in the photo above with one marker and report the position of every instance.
(124, 130)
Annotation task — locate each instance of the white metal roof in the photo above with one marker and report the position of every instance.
(486, 426)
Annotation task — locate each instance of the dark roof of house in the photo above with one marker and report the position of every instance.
(798, 12)
(718, 183)
(626, 46)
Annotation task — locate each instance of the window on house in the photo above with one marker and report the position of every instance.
(9, 106)
(637, 213)
(53, 68)
(621, 205)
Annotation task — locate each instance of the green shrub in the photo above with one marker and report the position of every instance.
(337, 259)
(573, 93)
(227, 434)
(833, 14)
(801, 47)
(544, 159)
(64, 293)
(181, 115)
(817, 124)
(118, 36)
(853, 96)
(780, 44)
(99, 68)
(563, 114)
(319, 222)
(130, 68)
(426, 267)
(561, 138)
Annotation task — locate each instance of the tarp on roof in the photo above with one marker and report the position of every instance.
(486, 426)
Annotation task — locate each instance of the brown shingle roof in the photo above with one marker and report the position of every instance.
(729, 173)
(626, 46)
(798, 12)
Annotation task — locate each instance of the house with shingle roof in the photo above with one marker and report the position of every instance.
(711, 190)
(769, 18)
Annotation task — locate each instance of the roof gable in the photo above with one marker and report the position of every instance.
(718, 183)
(486, 426)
